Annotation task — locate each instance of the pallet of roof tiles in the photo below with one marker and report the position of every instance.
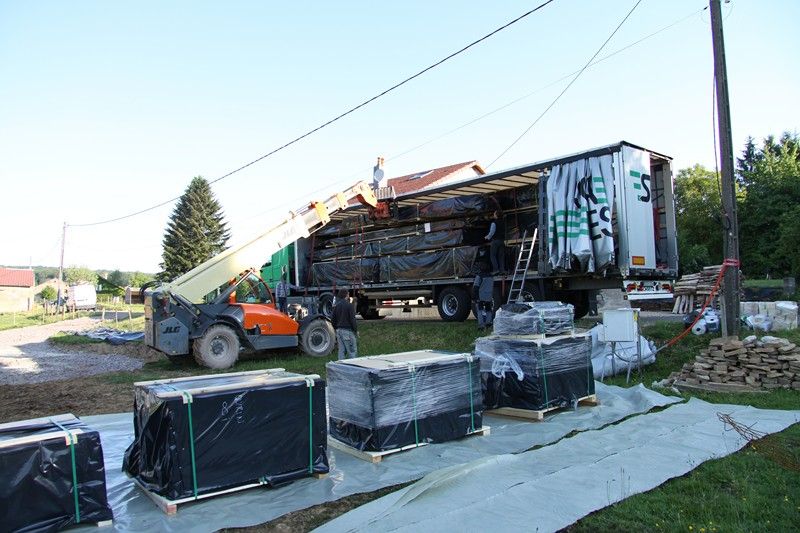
(198, 437)
(51, 475)
(386, 404)
(534, 318)
(527, 377)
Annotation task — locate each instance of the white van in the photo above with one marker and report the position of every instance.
(82, 296)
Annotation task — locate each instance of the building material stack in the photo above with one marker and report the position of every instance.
(200, 436)
(52, 475)
(766, 363)
(531, 362)
(427, 241)
(388, 402)
(693, 289)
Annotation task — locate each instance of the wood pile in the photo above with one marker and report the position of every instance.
(766, 363)
(692, 289)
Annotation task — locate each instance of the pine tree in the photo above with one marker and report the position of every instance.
(196, 231)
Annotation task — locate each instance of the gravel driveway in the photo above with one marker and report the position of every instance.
(27, 357)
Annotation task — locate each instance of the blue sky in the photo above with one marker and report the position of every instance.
(109, 107)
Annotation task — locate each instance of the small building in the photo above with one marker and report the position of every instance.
(16, 290)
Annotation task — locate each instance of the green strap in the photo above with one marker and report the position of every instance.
(72, 439)
(310, 385)
(414, 402)
(469, 384)
(187, 399)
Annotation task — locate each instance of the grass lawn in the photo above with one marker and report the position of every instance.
(763, 283)
(33, 318)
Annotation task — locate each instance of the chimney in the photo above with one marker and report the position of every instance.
(378, 175)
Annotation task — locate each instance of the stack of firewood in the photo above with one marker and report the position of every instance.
(768, 362)
(693, 289)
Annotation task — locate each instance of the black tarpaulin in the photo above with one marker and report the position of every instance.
(206, 434)
(454, 262)
(346, 272)
(390, 401)
(535, 373)
(39, 471)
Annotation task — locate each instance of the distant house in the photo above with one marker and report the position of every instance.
(435, 177)
(16, 290)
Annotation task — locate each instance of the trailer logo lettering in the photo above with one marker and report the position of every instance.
(644, 183)
(587, 190)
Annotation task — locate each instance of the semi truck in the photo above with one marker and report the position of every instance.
(222, 306)
(602, 218)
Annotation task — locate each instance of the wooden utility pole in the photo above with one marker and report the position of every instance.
(730, 284)
(61, 265)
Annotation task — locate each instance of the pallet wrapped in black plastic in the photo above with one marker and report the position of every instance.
(51, 475)
(201, 435)
(535, 374)
(534, 318)
(386, 402)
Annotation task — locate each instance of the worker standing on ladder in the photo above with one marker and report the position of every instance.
(496, 238)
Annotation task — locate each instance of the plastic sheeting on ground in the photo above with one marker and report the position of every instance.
(625, 354)
(552, 487)
(112, 336)
(133, 511)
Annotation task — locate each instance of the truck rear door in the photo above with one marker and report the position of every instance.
(635, 216)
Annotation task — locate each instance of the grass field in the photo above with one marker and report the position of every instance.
(33, 318)
(746, 491)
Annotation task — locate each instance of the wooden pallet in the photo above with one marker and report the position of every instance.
(538, 415)
(377, 457)
(170, 507)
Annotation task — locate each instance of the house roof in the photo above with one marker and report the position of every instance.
(421, 180)
(16, 277)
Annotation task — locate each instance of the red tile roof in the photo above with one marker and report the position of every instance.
(16, 277)
(420, 180)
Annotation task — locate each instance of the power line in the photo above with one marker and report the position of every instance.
(557, 98)
(338, 117)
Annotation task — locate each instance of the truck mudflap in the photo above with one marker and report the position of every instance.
(656, 289)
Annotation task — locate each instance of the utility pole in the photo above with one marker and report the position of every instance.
(61, 265)
(730, 283)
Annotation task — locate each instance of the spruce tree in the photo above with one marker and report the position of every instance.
(196, 231)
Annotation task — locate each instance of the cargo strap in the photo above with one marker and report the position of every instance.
(187, 399)
(310, 385)
(72, 440)
(414, 401)
(469, 386)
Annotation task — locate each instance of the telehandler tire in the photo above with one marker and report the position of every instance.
(318, 339)
(218, 348)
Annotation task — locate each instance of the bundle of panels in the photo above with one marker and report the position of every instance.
(386, 402)
(200, 435)
(534, 318)
(52, 475)
(436, 240)
(535, 373)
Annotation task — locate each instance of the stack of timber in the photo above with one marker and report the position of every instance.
(730, 364)
(693, 289)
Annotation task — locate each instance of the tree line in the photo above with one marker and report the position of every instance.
(768, 209)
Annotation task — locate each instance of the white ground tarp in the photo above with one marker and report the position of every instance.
(552, 487)
(133, 511)
(580, 204)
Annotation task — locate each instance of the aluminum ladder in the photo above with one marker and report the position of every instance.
(521, 270)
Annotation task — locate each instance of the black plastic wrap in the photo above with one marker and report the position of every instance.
(36, 479)
(346, 271)
(447, 208)
(535, 373)
(453, 262)
(255, 431)
(378, 403)
(534, 318)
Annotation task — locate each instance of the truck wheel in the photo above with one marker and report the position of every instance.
(326, 305)
(580, 301)
(366, 312)
(531, 292)
(318, 338)
(218, 348)
(454, 304)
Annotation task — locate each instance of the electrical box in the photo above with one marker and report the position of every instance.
(620, 325)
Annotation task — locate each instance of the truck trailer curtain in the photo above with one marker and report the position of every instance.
(580, 202)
